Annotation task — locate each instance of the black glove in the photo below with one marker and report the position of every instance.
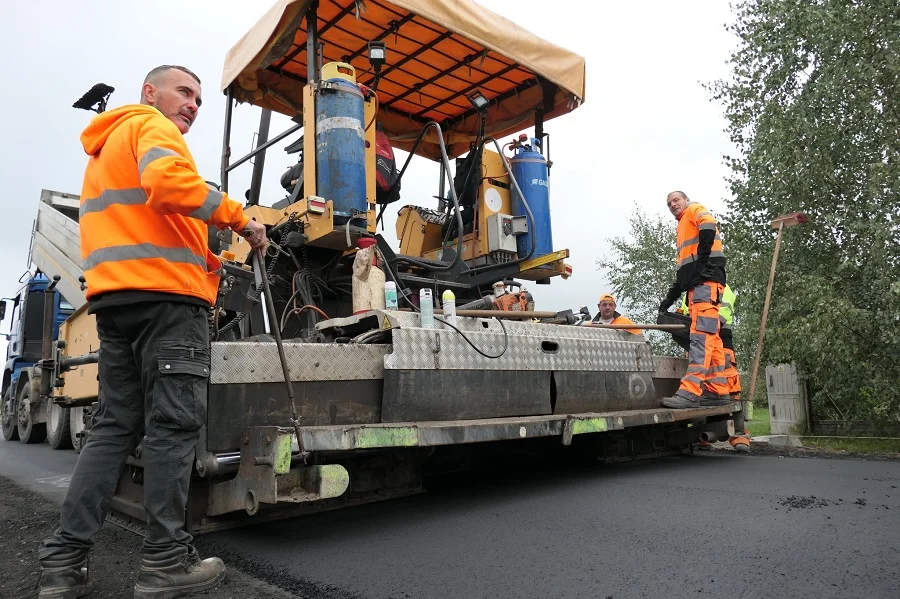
(706, 271)
(673, 294)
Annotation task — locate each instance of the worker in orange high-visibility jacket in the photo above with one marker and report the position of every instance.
(609, 315)
(151, 281)
(701, 274)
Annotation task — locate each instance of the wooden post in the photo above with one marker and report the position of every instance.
(762, 324)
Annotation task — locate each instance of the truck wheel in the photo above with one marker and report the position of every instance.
(29, 430)
(79, 431)
(8, 415)
(59, 433)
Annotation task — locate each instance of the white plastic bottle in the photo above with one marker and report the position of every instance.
(390, 296)
(449, 304)
(426, 308)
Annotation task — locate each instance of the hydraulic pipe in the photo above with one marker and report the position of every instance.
(527, 315)
(263, 147)
(265, 119)
(226, 141)
(312, 42)
(484, 303)
(47, 345)
(69, 363)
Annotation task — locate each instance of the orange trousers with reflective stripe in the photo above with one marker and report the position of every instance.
(731, 372)
(706, 357)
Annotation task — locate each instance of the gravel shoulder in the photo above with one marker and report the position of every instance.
(26, 517)
(767, 449)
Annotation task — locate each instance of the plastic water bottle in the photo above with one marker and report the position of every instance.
(449, 301)
(390, 296)
(426, 308)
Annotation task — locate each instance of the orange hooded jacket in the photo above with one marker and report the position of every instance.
(145, 210)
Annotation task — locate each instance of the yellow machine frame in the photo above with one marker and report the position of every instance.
(421, 236)
(319, 224)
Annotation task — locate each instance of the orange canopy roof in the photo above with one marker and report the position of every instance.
(438, 51)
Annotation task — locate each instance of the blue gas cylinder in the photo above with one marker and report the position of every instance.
(529, 167)
(341, 148)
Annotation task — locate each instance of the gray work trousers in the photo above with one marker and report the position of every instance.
(154, 372)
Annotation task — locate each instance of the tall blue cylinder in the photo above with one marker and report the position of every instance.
(341, 148)
(529, 167)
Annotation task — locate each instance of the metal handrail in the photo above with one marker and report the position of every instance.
(446, 162)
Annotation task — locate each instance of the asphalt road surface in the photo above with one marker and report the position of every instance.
(710, 524)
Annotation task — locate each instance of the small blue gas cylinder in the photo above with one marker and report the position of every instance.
(341, 145)
(529, 167)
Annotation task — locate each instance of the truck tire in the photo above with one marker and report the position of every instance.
(8, 416)
(59, 433)
(78, 429)
(29, 430)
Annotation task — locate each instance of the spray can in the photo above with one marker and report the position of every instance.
(390, 296)
(449, 307)
(426, 308)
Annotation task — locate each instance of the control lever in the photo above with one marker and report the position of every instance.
(278, 248)
(259, 266)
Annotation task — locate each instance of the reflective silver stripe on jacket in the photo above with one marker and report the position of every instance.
(694, 258)
(154, 154)
(111, 197)
(210, 204)
(142, 251)
(137, 196)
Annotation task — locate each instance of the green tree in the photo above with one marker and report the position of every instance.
(813, 106)
(640, 269)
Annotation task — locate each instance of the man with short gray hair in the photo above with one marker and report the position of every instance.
(151, 280)
(700, 273)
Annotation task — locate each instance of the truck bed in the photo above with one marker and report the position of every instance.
(55, 243)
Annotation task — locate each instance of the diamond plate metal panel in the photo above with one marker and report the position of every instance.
(515, 327)
(420, 349)
(243, 362)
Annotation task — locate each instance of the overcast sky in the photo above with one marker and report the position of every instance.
(647, 126)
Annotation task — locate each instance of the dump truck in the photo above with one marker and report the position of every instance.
(314, 404)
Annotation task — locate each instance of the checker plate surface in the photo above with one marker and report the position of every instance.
(243, 362)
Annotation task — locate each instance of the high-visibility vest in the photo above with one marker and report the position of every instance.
(145, 209)
(726, 307)
(619, 319)
(625, 320)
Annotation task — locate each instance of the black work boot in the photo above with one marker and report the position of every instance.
(66, 578)
(677, 402)
(177, 576)
(708, 400)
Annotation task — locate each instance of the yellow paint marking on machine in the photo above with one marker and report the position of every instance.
(548, 265)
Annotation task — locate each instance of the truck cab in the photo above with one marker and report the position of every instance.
(25, 336)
